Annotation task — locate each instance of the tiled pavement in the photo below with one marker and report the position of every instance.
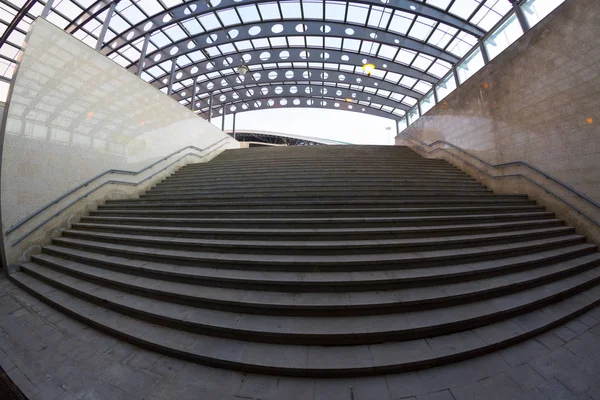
(53, 357)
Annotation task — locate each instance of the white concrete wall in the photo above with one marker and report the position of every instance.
(73, 114)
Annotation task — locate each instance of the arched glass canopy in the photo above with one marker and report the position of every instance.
(298, 53)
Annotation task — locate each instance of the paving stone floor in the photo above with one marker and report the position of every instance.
(53, 357)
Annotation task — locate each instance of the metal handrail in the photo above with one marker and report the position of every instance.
(501, 165)
(114, 171)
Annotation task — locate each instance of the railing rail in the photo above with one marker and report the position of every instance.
(508, 164)
(215, 146)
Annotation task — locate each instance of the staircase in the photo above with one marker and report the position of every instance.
(325, 261)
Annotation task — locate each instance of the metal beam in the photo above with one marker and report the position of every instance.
(192, 9)
(102, 35)
(332, 92)
(15, 21)
(521, 17)
(299, 75)
(193, 99)
(47, 9)
(87, 15)
(210, 106)
(310, 54)
(140, 68)
(223, 119)
(329, 104)
(313, 28)
(172, 77)
(233, 126)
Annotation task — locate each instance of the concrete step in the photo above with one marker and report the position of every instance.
(319, 361)
(541, 280)
(316, 263)
(413, 205)
(332, 281)
(321, 247)
(363, 233)
(200, 219)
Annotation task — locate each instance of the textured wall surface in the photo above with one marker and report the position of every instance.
(538, 101)
(74, 114)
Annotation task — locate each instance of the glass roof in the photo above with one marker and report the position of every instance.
(302, 53)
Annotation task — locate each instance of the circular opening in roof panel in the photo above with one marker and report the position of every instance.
(350, 107)
(209, 65)
(301, 28)
(293, 90)
(193, 70)
(296, 102)
(114, 44)
(191, 45)
(233, 33)
(190, 9)
(224, 82)
(257, 103)
(256, 76)
(210, 85)
(384, 65)
(278, 90)
(222, 97)
(174, 50)
(363, 109)
(246, 57)
(157, 57)
(167, 18)
(325, 28)
(270, 102)
(264, 90)
(148, 26)
(244, 106)
(265, 55)
(253, 31)
(165, 81)
(240, 78)
(365, 61)
(306, 74)
(353, 95)
(235, 96)
(232, 108)
(283, 102)
(338, 93)
(385, 1)
(284, 55)
(396, 41)
(308, 90)
(349, 31)
(277, 28)
(272, 75)
(376, 84)
(310, 102)
(228, 61)
(304, 54)
(325, 55)
(373, 35)
(323, 103)
(212, 38)
(323, 91)
(336, 105)
(183, 94)
(358, 80)
(342, 77)
(324, 75)
(249, 92)
(130, 35)
(214, 3)
(178, 75)
(289, 74)
(345, 58)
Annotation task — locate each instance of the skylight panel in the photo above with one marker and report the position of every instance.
(333, 42)
(213, 51)
(117, 23)
(379, 17)
(491, 12)
(290, 9)
(269, 11)
(410, 101)
(209, 22)
(464, 8)
(172, 3)
(243, 45)
(160, 39)
(388, 52)
(278, 42)
(249, 13)
(150, 7)
(442, 35)
(228, 17)
(422, 87)
(351, 45)
(335, 10)
(393, 77)
(422, 28)
(58, 20)
(67, 8)
(422, 62)
(296, 41)
(401, 22)
(314, 41)
(261, 43)
(226, 48)
(193, 26)
(462, 44)
(443, 4)
(312, 9)
(175, 33)
(357, 14)
(397, 97)
(405, 56)
(439, 68)
(131, 53)
(133, 15)
(408, 81)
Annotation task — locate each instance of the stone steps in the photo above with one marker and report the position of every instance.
(315, 361)
(319, 262)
